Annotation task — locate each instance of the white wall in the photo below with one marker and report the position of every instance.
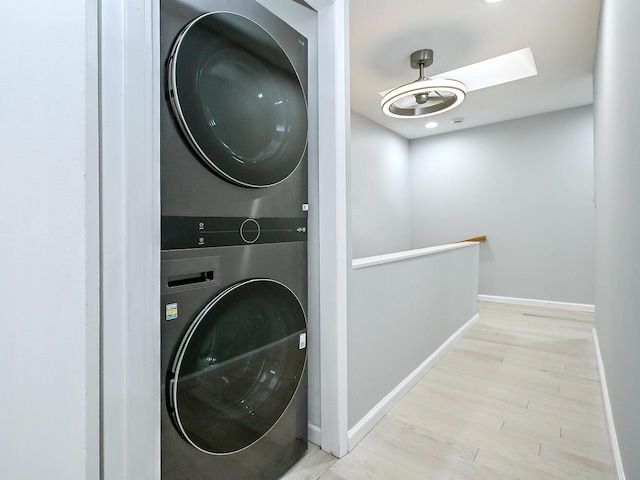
(617, 107)
(334, 220)
(399, 314)
(130, 239)
(49, 275)
(379, 193)
(528, 185)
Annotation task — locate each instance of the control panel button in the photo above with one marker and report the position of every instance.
(250, 230)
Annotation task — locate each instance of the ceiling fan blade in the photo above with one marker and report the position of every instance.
(495, 71)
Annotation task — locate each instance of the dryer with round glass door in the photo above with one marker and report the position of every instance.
(238, 366)
(233, 170)
(234, 340)
(234, 120)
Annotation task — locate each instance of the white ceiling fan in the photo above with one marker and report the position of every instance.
(439, 93)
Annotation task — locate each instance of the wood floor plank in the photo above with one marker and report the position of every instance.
(450, 402)
(526, 354)
(532, 429)
(577, 392)
(579, 462)
(517, 398)
(330, 475)
(413, 437)
(600, 455)
(547, 420)
(425, 462)
(522, 467)
(594, 416)
(314, 464)
(497, 376)
(587, 435)
(584, 402)
(582, 370)
(463, 430)
(527, 467)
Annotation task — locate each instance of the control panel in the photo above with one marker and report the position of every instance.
(195, 232)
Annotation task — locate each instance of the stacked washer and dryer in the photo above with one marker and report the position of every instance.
(234, 241)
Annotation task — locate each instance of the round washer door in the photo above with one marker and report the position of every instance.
(238, 366)
(238, 99)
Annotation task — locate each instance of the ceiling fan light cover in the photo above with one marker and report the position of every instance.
(450, 94)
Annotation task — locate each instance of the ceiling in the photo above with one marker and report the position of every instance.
(561, 34)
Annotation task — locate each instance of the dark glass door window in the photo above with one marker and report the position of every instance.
(238, 366)
(238, 99)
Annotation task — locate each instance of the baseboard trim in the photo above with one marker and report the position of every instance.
(371, 419)
(613, 439)
(576, 307)
(314, 434)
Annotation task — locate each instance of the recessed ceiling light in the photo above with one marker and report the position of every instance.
(431, 125)
(492, 1)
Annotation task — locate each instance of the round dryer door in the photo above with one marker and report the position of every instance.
(238, 99)
(238, 366)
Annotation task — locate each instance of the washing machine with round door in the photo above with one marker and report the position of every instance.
(233, 148)
(234, 113)
(233, 335)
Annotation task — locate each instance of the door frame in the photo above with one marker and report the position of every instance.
(129, 70)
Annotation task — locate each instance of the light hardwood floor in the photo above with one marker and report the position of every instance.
(517, 398)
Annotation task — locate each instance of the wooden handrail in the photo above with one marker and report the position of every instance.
(474, 239)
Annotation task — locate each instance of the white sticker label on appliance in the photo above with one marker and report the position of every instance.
(303, 341)
(172, 311)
